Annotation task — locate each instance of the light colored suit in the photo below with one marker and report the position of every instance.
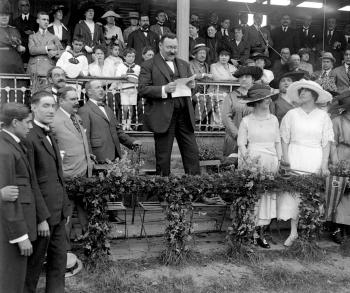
(341, 79)
(39, 61)
(76, 161)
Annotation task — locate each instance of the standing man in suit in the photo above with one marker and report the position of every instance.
(20, 212)
(334, 40)
(243, 22)
(259, 37)
(143, 37)
(46, 159)
(342, 74)
(26, 25)
(103, 132)
(167, 116)
(71, 139)
(44, 48)
(223, 32)
(159, 28)
(308, 37)
(285, 36)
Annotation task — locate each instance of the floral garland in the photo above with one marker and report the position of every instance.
(240, 187)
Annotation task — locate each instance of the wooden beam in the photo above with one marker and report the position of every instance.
(182, 27)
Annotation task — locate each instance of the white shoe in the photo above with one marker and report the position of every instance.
(289, 241)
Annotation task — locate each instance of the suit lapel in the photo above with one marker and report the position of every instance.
(68, 122)
(11, 141)
(44, 140)
(160, 63)
(182, 70)
(97, 110)
(86, 28)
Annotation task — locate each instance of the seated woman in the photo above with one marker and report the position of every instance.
(221, 71)
(259, 137)
(263, 61)
(304, 60)
(233, 111)
(340, 151)
(306, 133)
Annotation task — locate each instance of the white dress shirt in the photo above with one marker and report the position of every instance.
(45, 127)
(58, 30)
(25, 16)
(25, 236)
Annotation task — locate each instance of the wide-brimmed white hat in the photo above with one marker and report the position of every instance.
(110, 13)
(323, 96)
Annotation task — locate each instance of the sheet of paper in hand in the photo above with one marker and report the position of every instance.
(182, 90)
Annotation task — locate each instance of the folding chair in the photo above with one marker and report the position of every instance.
(119, 206)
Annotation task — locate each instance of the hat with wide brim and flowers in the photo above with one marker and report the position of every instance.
(110, 13)
(323, 96)
(256, 93)
(255, 72)
(293, 75)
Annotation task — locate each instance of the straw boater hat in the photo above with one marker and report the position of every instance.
(199, 47)
(256, 93)
(323, 96)
(340, 103)
(328, 55)
(74, 265)
(110, 13)
(257, 55)
(294, 75)
(254, 71)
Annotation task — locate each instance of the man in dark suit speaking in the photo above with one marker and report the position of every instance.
(165, 115)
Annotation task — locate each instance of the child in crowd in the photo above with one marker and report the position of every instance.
(147, 53)
(112, 61)
(128, 93)
(96, 67)
(74, 62)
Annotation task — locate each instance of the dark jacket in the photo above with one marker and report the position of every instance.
(288, 39)
(104, 135)
(66, 35)
(158, 112)
(46, 160)
(138, 41)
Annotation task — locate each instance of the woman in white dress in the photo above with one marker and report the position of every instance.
(259, 137)
(96, 68)
(306, 134)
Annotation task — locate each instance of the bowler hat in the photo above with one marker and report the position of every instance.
(254, 71)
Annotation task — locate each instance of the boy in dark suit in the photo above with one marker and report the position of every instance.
(46, 159)
(20, 209)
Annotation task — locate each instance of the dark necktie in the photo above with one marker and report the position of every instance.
(324, 74)
(101, 104)
(23, 147)
(75, 122)
(46, 132)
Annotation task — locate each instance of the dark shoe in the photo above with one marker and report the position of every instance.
(262, 242)
(337, 237)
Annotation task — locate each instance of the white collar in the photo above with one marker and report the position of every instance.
(65, 112)
(41, 125)
(94, 101)
(25, 15)
(42, 31)
(15, 137)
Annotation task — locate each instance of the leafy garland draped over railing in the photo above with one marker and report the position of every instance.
(239, 187)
